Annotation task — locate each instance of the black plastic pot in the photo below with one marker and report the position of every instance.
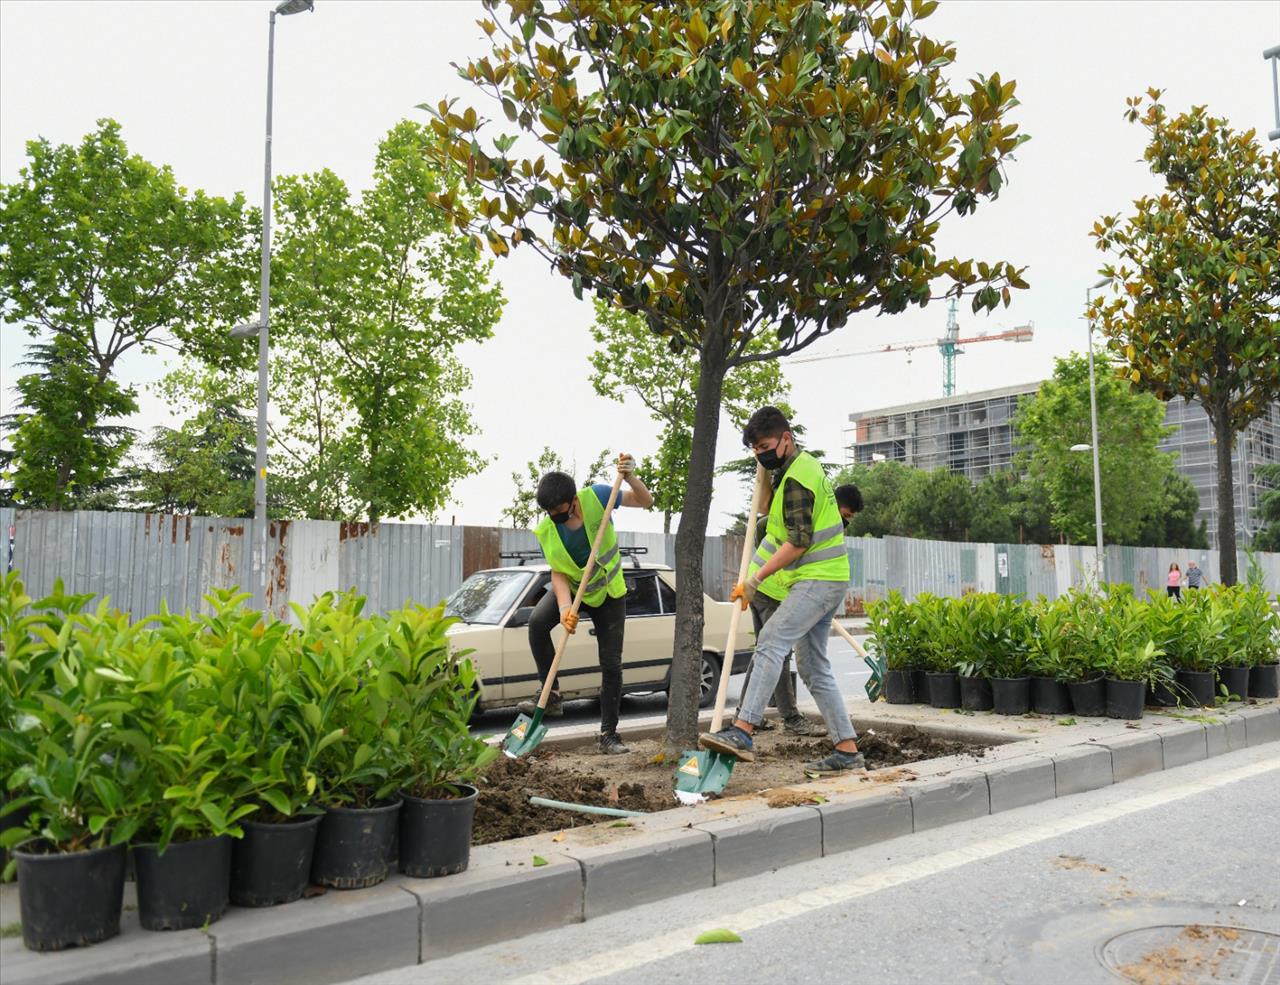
(920, 685)
(354, 845)
(272, 862)
(1235, 680)
(70, 899)
(1011, 695)
(1199, 684)
(1264, 681)
(1089, 698)
(1049, 696)
(1125, 698)
(944, 690)
(1161, 695)
(435, 835)
(186, 886)
(975, 694)
(899, 688)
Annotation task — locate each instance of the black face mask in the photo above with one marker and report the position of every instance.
(559, 518)
(770, 459)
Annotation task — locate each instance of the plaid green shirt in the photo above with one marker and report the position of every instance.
(797, 508)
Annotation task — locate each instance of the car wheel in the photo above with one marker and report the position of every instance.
(708, 679)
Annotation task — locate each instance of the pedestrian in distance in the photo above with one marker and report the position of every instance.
(1173, 586)
(1195, 576)
(565, 536)
(803, 549)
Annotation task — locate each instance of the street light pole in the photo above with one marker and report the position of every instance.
(264, 313)
(1100, 556)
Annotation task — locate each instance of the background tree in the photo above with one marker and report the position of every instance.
(726, 165)
(631, 362)
(883, 487)
(1172, 521)
(204, 467)
(1268, 536)
(1011, 509)
(937, 505)
(523, 511)
(1196, 311)
(104, 253)
(1133, 469)
(63, 453)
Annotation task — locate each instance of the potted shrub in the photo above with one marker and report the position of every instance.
(341, 693)
(438, 758)
(1261, 615)
(971, 659)
(1234, 662)
(1048, 639)
(70, 853)
(1002, 636)
(1083, 665)
(940, 619)
(920, 622)
(1130, 669)
(1200, 649)
(1171, 624)
(888, 620)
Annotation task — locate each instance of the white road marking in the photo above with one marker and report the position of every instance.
(667, 945)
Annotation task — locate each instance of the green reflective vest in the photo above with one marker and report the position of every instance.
(771, 586)
(606, 577)
(826, 559)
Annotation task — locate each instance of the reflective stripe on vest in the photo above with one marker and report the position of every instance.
(606, 577)
(825, 559)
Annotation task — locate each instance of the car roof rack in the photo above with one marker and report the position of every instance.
(521, 556)
(633, 553)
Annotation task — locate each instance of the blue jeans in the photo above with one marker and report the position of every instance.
(803, 621)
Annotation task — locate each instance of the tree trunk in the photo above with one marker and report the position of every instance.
(1226, 497)
(666, 523)
(682, 698)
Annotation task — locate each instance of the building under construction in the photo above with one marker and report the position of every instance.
(972, 434)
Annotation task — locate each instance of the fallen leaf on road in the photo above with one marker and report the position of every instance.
(538, 860)
(720, 936)
(559, 837)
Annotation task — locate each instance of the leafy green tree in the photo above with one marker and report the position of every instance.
(204, 467)
(64, 453)
(1196, 279)
(1011, 509)
(937, 505)
(1268, 536)
(631, 362)
(104, 253)
(725, 166)
(523, 511)
(1133, 469)
(1172, 521)
(883, 486)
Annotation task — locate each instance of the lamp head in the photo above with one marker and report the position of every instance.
(287, 7)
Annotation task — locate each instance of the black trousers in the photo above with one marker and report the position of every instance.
(609, 620)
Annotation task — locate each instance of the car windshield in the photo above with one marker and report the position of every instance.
(486, 596)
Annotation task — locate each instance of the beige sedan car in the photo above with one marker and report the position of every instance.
(494, 606)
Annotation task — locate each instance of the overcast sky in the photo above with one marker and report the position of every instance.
(187, 82)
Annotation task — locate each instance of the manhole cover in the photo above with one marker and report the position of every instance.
(1194, 954)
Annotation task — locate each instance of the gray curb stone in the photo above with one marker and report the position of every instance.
(1134, 755)
(1082, 768)
(763, 841)
(182, 957)
(1236, 735)
(957, 797)
(1183, 743)
(668, 864)
(330, 938)
(458, 912)
(1027, 781)
(1216, 742)
(1261, 724)
(851, 824)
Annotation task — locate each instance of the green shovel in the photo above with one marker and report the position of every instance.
(527, 733)
(875, 685)
(700, 771)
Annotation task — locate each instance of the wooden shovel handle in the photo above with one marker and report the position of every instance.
(748, 548)
(849, 638)
(582, 586)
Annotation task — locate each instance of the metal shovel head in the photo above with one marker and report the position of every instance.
(875, 683)
(701, 772)
(524, 736)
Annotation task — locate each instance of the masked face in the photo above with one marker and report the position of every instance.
(772, 452)
(562, 515)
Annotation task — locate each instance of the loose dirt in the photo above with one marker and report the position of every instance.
(642, 781)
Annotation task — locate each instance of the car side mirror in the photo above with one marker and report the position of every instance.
(520, 617)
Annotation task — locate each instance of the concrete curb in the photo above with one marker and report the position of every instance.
(601, 869)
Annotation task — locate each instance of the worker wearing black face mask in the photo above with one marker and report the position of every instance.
(573, 517)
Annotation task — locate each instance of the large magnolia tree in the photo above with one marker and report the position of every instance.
(720, 166)
(1196, 278)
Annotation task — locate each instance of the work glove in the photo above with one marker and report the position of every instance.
(745, 591)
(569, 620)
(626, 465)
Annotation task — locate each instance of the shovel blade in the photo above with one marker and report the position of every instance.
(701, 772)
(524, 736)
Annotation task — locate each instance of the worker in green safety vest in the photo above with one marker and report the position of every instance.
(765, 603)
(565, 536)
(804, 550)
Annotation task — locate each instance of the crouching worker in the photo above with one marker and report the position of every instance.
(565, 536)
(804, 548)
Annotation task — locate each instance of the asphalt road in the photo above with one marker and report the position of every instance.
(851, 673)
(1048, 894)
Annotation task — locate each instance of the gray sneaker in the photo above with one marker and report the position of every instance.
(799, 725)
(837, 762)
(555, 707)
(611, 744)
